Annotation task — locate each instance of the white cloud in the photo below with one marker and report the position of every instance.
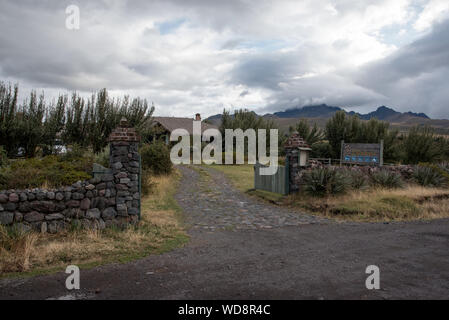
(434, 11)
(200, 56)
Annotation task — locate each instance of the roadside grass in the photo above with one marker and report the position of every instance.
(241, 176)
(372, 205)
(160, 230)
(272, 197)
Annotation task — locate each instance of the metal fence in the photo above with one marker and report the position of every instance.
(277, 183)
(327, 161)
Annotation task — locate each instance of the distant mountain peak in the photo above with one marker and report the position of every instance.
(389, 114)
(386, 109)
(313, 111)
(325, 111)
(420, 114)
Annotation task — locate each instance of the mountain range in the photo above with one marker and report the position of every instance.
(321, 113)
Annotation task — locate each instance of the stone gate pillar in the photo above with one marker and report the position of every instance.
(293, 148)
(125, 166)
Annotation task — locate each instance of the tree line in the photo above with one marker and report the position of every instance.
(37, 125)
(419, 144)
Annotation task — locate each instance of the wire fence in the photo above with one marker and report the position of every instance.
(337, 162)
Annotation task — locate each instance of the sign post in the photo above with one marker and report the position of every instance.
(368, 154)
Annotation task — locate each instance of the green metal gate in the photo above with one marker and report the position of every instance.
(277, 183)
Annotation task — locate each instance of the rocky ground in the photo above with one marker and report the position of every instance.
(244, 249)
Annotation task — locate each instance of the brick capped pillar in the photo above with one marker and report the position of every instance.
(125, 166)
(292, 150)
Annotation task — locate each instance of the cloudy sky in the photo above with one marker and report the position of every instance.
(203, 56)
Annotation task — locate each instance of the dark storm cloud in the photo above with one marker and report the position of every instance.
(415, 77)
(271, 69)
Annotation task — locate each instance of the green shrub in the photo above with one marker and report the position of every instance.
(3, 178)
(3, 157)
(156, 157)
(103, 157)
(321, 150)
(429, 177)
(51, 171)
(325, 181)
(387, 179)
(359, 180)
(74, 152)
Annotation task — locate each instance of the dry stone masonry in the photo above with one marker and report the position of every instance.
(292, 150)
(108, 199)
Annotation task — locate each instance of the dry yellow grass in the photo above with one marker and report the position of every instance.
(411, 203)
(159, 230)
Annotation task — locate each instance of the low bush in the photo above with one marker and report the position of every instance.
(3, 157)
(103, 157)
(325, 181)
(51, 171)
(156, 158)
(427, 176)
(387, 179)
(321, 150)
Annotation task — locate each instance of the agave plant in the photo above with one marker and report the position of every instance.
(325, 181)
(444, 166)
(359, 180)
(387, 179)
(429, 177)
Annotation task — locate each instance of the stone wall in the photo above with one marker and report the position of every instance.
(292, 149)
(294, 170)
(109, 199)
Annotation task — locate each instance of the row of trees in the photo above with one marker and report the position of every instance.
(419, 144)
(245, 119)
(38, 125)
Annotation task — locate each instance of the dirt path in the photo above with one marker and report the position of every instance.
(277, 254)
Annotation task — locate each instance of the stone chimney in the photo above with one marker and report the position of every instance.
(198, 117)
